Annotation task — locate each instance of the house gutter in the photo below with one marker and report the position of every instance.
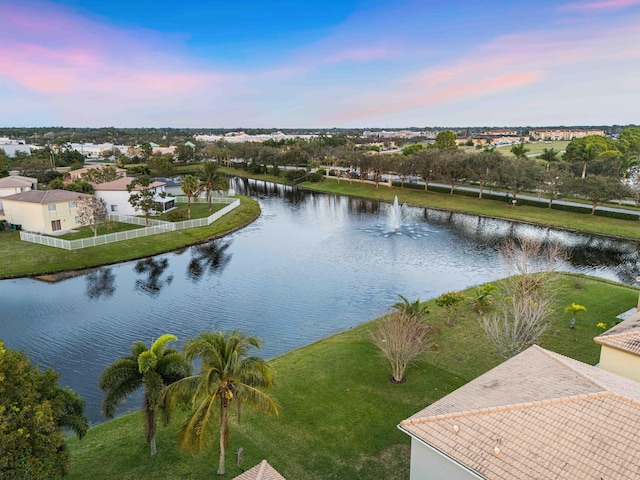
(442, 454)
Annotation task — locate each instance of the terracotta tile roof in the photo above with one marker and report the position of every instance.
(549, 416)
(262, 471)
(624, 336)
(81, 171)
(121, 184)
(45, 197)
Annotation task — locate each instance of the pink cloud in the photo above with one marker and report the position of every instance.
(600, 6)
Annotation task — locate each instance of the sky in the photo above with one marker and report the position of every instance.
(311, 64)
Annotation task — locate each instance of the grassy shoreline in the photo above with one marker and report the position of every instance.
(22, 259)
(563, 220)
(339, 412)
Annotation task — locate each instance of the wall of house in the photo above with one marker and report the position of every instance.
(35, 217)
(622, 363)
(429, 464)
(118, 198)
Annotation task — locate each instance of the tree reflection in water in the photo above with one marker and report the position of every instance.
(154, 270)
(100, 283)
(209, 257)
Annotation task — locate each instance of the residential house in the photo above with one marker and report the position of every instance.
(43, 211)
(538, 415)
(116, 195)
(262, 471)
(620, 348)
(16, 184)
(78, 173)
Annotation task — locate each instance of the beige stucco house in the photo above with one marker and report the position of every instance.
(620, 348)
(16, 184)
(43, 211)
(539, 415)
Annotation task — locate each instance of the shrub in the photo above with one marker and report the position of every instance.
(177, 215)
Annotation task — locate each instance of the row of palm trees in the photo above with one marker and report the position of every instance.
(208, 179)
(228, 375)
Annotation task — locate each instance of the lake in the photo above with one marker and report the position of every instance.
(311, 265)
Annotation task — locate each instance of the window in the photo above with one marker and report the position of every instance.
(55, 225)
(73, 204)
(51, 207)
(78, 220)
(114, 208)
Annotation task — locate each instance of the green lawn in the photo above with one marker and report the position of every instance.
(490, 208)
(103, 229)
(199, 209)
(338, 410)
(21, 259)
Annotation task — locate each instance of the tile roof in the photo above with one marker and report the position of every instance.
(624, 336)
(17, 181)
(45, 196)
(121, 184)
(81, 171)
(548, 415)
(262, 471)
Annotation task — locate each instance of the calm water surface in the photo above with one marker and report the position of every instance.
(310, 266)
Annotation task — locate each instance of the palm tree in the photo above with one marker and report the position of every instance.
(150, 368)
(627, 163)
(227, 374)
(549, 155)
(519, 151)
(212, 179)
(573, 309)
(191, 188)
(588, 154)
(413, 309)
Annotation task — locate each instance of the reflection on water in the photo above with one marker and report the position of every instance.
(100, 283)
(307, 268)
(209, 258)
(153, 282)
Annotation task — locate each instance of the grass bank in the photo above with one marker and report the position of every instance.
(490, 208)
(22, 259)
(339, 412)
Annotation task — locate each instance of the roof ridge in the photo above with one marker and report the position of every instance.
(515, 406)
(263, 467)
(561, 360)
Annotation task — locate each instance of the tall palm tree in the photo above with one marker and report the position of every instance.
(519, 151)
(212, 179)
(227, 374)
(588, 154)
(549, 155)
(191, 188)
(627, 163)
(150, 368)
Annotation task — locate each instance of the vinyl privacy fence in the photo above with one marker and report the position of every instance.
(155, 227)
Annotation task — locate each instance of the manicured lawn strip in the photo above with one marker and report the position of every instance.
(21, 259)
(490, 208)
(103, 229)
(338, 410)
(199, 209)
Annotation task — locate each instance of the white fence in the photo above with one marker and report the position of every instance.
(156, 226)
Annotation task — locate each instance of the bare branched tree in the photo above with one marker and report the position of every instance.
(401, 338)
(528, 295)
(92, 211)
(518, 324)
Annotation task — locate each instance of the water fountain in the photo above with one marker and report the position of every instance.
(398, 221)
(396, 214)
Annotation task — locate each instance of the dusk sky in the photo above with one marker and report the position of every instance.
(346, 63)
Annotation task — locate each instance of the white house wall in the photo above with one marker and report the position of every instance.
(35, 217)
(118, 198)
(429, 464)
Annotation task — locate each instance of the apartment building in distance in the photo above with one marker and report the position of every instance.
(552, 134)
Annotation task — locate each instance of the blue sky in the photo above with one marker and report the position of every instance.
(311, 64)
